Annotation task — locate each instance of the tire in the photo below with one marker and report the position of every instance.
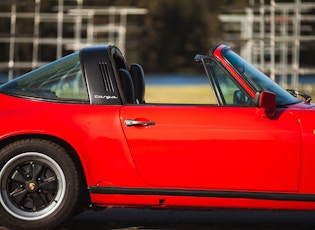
(39, 185)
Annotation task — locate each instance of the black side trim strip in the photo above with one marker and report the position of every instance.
(202, 193)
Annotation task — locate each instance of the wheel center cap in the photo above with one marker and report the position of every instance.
(31, 186)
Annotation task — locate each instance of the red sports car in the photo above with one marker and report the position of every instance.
(77, 133)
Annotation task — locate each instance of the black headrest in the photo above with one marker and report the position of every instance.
(137, 75)
(127, 85)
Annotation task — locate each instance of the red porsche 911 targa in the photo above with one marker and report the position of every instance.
(77, 133)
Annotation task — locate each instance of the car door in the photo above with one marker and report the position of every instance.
(213, 147)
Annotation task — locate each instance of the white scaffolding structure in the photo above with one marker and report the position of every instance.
(88, 26)
(270, 37)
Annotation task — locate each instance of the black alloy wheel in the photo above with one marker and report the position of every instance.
(39, 185)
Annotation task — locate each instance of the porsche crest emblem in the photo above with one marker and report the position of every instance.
(32, 186)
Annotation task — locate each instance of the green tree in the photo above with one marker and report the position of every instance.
(176, 30)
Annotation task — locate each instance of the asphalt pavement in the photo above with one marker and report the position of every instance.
(130, 219)
(187, 219)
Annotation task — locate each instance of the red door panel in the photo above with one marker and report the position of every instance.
(214, 147)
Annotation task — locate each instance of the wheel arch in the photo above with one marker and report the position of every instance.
(69, 149)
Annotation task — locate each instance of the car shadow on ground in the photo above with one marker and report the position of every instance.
(187, 219)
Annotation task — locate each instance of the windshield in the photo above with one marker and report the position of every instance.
(257, 80)
(60, 80)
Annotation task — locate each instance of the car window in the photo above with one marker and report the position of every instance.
(225, 87)
(61, 80)
(257, 80)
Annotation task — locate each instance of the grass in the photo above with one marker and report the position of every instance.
(179, 94)
(308, 89)
(193, 94)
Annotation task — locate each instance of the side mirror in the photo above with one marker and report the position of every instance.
(267, 101)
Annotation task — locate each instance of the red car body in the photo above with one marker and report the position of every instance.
(255, 152)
